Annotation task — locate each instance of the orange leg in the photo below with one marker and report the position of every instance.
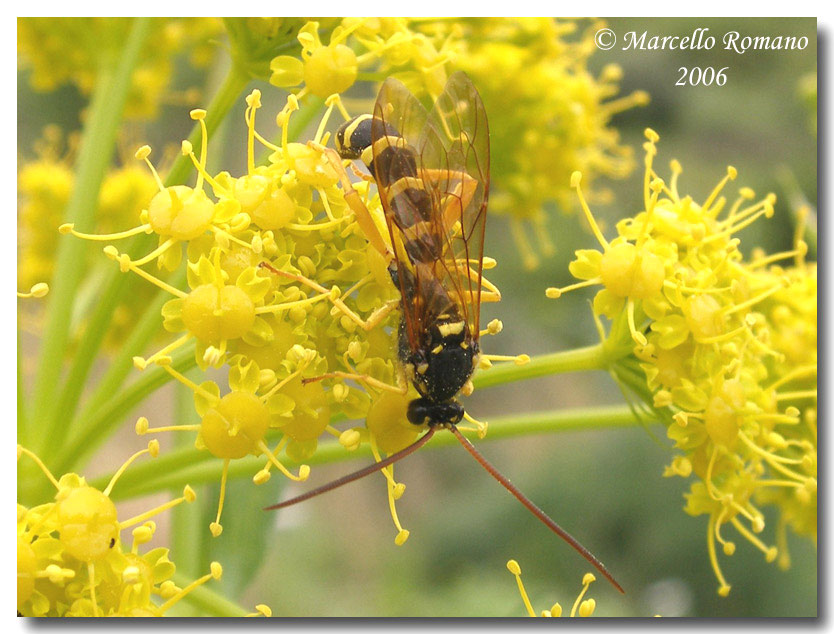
(333, 295)
(362, 378)
(360, 211)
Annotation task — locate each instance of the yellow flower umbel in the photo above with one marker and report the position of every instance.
(365, 48)
(44, 186)
(71, 560)
(285, 288)
(235, 425)
(70, 50)
(727, 348)
(581, 607)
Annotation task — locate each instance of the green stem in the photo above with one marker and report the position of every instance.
(207, 600)
(189, 466)
(590, 358)
(118, 284)
(145, 329)
(187, 540)
(100, 422)
(97, 144)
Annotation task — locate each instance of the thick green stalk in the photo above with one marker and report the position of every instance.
(590, 358)
(101, 422)
(186, 535)
(97, 144)
(189, 466)
(117, 285)
(146, 327)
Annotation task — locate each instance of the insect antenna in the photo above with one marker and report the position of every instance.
(535, 510)
(356, 475)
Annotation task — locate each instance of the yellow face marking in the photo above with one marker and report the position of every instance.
(451, 329)
(422, 368)
(464, 345)
(438, 349)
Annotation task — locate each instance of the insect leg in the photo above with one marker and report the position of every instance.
(360, 211)
(362, 378)
(491, 294)
(459, 199)
(479, 427)
(360, 174)
(333, 295)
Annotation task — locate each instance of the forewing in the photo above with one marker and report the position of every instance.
(448, 150)
(398, 123)
(455, 146)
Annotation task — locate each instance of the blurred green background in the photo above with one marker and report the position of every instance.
(335, 555)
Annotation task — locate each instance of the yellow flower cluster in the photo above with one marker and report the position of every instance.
(727, 345)
(387, 47)
(581, 607)
(285, 289)
(548, 115)
(61, 50)
(71, 560)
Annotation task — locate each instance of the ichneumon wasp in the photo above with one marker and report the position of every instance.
(432, 172)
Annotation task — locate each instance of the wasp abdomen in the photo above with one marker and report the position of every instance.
(393, 164)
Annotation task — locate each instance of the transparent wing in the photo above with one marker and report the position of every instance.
(454, 156)
(399, 119)
(447, 151)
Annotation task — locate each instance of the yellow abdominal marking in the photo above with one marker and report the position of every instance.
(388, 141)
(406, 182)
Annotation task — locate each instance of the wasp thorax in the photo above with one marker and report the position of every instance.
(443, 364)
